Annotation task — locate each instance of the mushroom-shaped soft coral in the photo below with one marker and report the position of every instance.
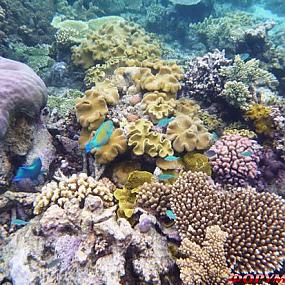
(188, 134)
(116, 145)
(91, 110)
(158, 105)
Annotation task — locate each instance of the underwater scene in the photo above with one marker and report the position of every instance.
(142, 142)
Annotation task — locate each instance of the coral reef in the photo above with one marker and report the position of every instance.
(188, 134)
(236, 160)
(254, 222)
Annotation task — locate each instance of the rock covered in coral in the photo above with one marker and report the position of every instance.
(83, 244)
(236, 160)
(254, 221)
(22, 91)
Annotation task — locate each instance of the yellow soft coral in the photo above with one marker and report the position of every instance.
(260, 115)
(91, 110)
(197, 162)
(185, 106)
(188, 134)
(116, 145)
(241, 132)
(127, 195)
(157, 105)
(108, 91)
(122, 170)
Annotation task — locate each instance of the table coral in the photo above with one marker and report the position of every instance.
(75, 187)
(205, 263)
(254, 221)
(236, 160)
(188, 134)
(22, 92)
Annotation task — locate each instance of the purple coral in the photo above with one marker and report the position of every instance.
(236, 160)
(22, 91)
(202, 77)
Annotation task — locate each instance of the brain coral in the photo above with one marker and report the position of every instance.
(254, 222)
(22, 91)
(116, 39)
(236, 160)
(188, 134)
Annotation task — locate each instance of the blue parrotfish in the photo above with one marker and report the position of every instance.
(171, 158)
(166, 176)
(31, 172)
(18, 222)
(170, 215)
(214, 136)
(101, 136)
(164, 122)
(246, 153)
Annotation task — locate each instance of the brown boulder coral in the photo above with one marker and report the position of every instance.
(188, 134)
(254, 222)
(22, 92)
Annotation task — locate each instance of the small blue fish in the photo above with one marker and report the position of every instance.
(214, 136)
(244, 56)
(210, 153)
(54, 263)
(246, 153)
(164, 122)
(170, 215)
(171, 158)
(166, 176)
(101, 136)
(19, 222)
(31, 172)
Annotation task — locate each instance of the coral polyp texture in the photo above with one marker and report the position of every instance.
(76, 187)
(236, 160)
(22, 92)
(254, 223)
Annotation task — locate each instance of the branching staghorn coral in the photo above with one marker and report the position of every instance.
(205, 263)
(77, 187)
(188, 134)
(254, 222)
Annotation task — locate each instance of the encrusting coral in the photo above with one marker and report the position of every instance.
(197, 162)
(77, 187)
(188, 134)
(254, 222)
(22, 91)
(205, 263)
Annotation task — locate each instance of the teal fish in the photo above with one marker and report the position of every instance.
(166, 176)
(54, 263)
(171, 158)
(29, 172)
(210, 153)
(164, 122)
(19, 222)
(214, 136)
(244, 56)
(246, 153)
(170, 215)
(101, 136)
